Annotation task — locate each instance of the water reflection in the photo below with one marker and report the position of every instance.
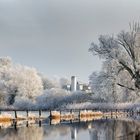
(96, 130)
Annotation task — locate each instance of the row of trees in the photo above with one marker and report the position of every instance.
(23, 87)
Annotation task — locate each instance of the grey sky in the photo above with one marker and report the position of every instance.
(54, 35)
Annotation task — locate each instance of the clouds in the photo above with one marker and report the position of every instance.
(63, 20)
(57, 31)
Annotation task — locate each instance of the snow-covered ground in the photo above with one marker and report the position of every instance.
(107, 106)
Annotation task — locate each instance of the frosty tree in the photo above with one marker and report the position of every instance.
(18, 82)
(122, 59)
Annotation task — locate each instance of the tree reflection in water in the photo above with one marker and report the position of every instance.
(97, 130)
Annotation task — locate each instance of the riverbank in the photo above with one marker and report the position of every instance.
(104, 106)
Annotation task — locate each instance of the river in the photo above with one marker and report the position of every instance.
(103, 129)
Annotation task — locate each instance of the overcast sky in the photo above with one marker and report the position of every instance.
(54, 35)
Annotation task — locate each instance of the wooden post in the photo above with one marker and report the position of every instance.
(39, 113)
(60, 116)
(50, 114)
(40, 123)
(15, 114)
(71, 116)
(27, 113)
(50, 121)
(15, 125)
(27, 124)
(79, 115)
(132, 112)
(50, 117)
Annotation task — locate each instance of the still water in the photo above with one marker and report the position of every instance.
(110, 129)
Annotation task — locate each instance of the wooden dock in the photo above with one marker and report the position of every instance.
(62, 116)
(69, 114)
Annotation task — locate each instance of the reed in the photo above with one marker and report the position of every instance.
(5, 119)
(55, 115)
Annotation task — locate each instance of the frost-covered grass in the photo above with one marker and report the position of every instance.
(5, 117)
(70, 102)
(107, 106)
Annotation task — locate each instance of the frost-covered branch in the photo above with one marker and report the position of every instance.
(121, 64)
(125, 87)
